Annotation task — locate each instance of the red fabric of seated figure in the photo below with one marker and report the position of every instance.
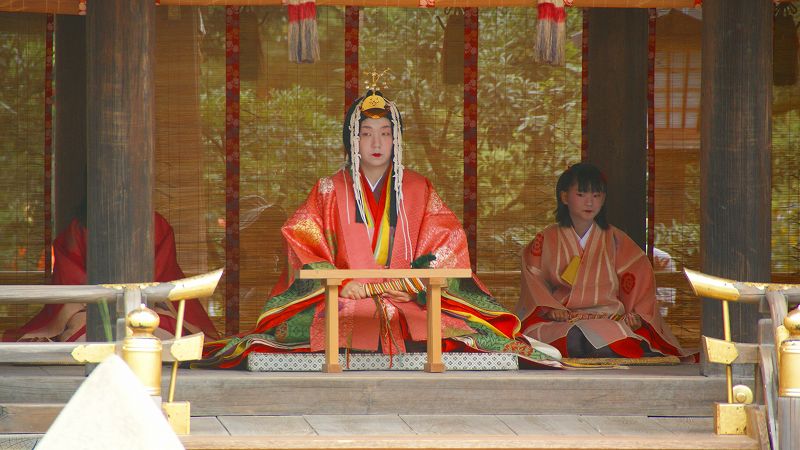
(67, 322)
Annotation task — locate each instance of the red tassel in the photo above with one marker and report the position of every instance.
(303, 38)
(551, 32)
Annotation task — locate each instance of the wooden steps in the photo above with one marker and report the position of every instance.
(641, 407)
(647, 391)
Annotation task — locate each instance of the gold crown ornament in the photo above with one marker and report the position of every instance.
(374, 106)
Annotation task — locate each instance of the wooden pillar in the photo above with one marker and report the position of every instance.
(70, 126)
(735, 153)
(616, 112)
(120, 110)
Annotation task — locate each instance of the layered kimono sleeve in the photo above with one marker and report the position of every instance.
(537, 289)
(637, 284)
(637, 292)
(309, 233)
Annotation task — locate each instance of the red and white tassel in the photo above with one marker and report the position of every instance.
(303, 39)
(551, 32)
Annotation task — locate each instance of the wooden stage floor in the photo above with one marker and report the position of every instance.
(606, 407)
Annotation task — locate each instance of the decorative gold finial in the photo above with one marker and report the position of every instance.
(374, 105)
(142, 350)
(792, 323)
(143, 320)
(789, 357)
(372, 85)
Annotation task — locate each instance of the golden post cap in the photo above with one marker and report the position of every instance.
(792, 323)
(142, 320)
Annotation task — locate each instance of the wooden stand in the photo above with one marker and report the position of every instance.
(333, 279)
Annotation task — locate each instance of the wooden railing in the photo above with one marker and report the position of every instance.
(777, 356)
(332, 279)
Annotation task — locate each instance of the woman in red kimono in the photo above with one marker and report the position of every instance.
(67, 322)
(587, 288)
(372, 214)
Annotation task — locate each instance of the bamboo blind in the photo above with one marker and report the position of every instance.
(529, 118)
(22, 69)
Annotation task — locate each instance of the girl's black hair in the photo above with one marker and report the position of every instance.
(589, 179)
(346, 125)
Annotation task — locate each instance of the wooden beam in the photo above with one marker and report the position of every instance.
(665, 441)
(28, 417)
(735, 157)
(120, 42)
(616, 113)
(71, 6)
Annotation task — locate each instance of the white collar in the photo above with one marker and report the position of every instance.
(373, 186)
(583, 240)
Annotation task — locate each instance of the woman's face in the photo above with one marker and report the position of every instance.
(375, 146)
(583, 206)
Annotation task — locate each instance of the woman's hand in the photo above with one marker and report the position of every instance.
(557, 315)
(633, 320)
(401, 295)
(354, 290)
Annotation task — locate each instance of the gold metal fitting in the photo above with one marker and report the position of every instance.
(789, 357)
(142, 350)
(178, 415)
(730, 418)
(742, 394)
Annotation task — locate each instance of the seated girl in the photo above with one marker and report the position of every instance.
(587, 288)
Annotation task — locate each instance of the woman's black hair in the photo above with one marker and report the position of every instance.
(589, 179)
(346, 125)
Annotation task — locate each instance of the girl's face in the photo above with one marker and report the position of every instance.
(375, 146)
(583, 206)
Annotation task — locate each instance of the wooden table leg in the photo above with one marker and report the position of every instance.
(331, 364)
(434, 308)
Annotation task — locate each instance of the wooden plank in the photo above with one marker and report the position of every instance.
(683, 425)
(267, 425)
(625, 425)
(768, 370)
(548, 424)
(735, 156)
(788, 422)
(329, 425)
(456, 424)
(341, 274)
(27, 418)
(757, 426)
(120, 142)
(618, 51)
(471, 442)
(207, 426)
(672, 391)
